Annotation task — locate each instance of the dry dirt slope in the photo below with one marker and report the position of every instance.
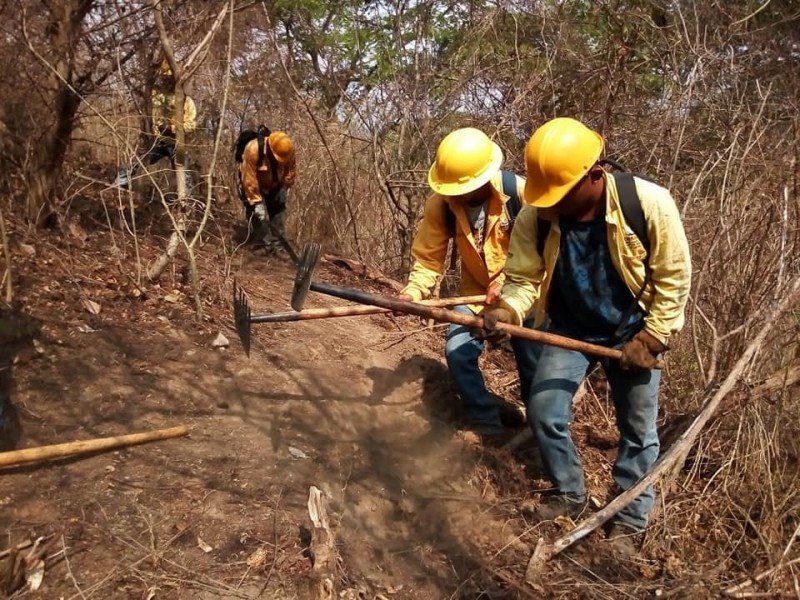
(353, 406)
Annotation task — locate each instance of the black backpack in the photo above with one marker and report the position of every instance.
(628, 200)
(513, 206)
(246, 136)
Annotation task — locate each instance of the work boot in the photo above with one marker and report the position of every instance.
(623, 540)
(558, 505)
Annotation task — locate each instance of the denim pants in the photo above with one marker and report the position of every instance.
(462, 351)
(559, 373)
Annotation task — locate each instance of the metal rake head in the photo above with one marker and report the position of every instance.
(241, 316)
(305, 272)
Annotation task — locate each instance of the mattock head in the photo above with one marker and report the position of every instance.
(309, 258)
(241, 316)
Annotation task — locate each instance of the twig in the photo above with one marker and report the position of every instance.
(69, 569)
(735, 591)
(753, 14)
(7, 256)
(791, 541)
(17, 548)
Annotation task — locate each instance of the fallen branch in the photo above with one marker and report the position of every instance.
(738, 590)
(674, 457)
(17, 457)
(17, 548)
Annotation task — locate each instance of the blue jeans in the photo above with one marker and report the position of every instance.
(635, 394)
(462, 351)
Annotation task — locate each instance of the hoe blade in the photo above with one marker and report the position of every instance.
(305, 272)
(241, 316)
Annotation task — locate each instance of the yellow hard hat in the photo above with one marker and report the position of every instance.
(281, 146)
(465, 160)
(558, 156)
(164, 68)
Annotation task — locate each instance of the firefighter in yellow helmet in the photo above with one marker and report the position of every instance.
(164, 129)
(268, 169)
(593, 277)
(473, 203)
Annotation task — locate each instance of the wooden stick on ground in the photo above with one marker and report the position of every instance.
(17, 457)
(544, 550)
(323, 545)
(18, 547)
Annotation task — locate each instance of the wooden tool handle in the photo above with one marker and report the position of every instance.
(16, 457)
(448, 316)
(351, 311)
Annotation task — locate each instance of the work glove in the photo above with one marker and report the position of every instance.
(490, 332)
(260, 211)
(641, 352)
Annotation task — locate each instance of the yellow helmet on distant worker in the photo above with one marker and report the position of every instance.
(465, 160)
(281, 146)
(164, 69)
(557, 157)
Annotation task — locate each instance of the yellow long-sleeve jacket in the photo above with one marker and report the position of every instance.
(260, 179)
(163, 107)
(479, 269)
(528, 275)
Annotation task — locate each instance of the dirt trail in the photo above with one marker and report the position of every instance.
(354, 406)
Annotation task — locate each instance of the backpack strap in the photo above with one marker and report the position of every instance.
(542, 231)
(262, 134)
(509, 186)
(632, 208)
(634, 217)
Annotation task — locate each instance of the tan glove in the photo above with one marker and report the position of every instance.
(490, 332)
(641, 353)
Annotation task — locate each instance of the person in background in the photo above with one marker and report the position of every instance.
(472, 205)
(593, 279)
(268, 169)
(164, 128)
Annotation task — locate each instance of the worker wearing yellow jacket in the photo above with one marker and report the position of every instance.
(469, 206)
(164, 128)
(596, 282)
(268, 170)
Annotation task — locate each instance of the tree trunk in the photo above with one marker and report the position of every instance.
(43, 173)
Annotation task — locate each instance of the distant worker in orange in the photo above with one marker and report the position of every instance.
(268, 169)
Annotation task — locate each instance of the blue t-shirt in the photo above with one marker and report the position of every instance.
(588, 297)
